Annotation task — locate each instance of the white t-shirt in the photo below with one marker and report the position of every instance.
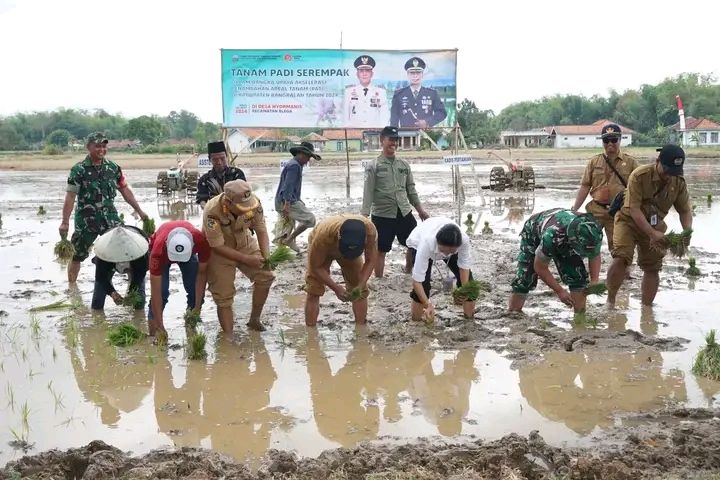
(422, 239)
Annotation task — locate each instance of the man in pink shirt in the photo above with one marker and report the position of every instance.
(176, 242)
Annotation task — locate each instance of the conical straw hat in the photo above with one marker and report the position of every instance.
(120, 244)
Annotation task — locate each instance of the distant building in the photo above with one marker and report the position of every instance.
(699, 132)
(244, 140)
(125, 144)
(562, 136)
(318, 141)
(335, 140)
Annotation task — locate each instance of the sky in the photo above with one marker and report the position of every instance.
(138, 57)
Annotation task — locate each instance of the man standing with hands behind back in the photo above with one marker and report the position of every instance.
(390, 194)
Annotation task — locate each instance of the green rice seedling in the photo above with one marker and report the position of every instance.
(486, 229)
(468, 292)
(707, 361)
(355, 294)
(35, 326)
(124, 335)
(192, 319)
(596, 289)
(281, 254)
(10, 394)
(282, 337)
(196, 346)
(134, 299)
(25, 415)
(64, 250)
(692, 270)
(0, 220)
(41, 210)
(580, 318)
(678, 243)
(59, 305)
(58, 399)
(709, 200)
(148, 226)
(122, 218)
(152, 359)
(73, 333)
(49, 386)
(20, 438)
(161, 338)
(54, 353)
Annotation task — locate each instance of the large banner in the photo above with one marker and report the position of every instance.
(338, 88)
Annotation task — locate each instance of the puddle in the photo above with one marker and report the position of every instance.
(303, 391)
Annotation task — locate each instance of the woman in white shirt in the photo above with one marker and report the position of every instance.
(438, 238)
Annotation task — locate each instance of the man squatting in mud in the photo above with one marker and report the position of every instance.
(94, 182)
(229, 221)
(564, 237)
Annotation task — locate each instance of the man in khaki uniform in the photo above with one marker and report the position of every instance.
(227, 221)
(340, 238)
(605, 176)
(652, 190)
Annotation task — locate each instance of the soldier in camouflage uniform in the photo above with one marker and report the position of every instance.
(564, 237)
(95, 182)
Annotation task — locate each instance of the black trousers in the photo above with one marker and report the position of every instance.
(452, 264)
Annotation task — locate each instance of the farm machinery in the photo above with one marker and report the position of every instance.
(177, 179)
(516, 176)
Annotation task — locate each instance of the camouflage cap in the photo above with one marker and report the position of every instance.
(96, 137)
(585, 236)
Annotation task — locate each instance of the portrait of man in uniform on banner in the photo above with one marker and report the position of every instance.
(416, 106)
(365, 105)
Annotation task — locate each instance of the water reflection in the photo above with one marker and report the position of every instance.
(223, 406)
(517, 207)
(583, 390)
(174, 209)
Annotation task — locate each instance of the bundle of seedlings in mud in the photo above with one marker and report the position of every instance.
(192, 319)
(692, 269)
(161, 338)
(148, 226)
(486, 229)
(582, 318)
(59, 305)
(122, 218)
(124, 335)
(134, 299)
(0, 220)
(196, 346)
(707, 362)
(41, 210)
(709, 198)
(280, 255)
(678, 243)
(596, 289)
(470, 291)
(64, 250)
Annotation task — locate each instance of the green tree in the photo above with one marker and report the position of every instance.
(206, 132)
(10, 139)
(183, 124)
(59, 138)
(148, 129)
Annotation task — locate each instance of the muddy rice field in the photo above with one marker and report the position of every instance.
(529, 396)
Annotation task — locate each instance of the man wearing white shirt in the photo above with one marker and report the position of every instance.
(438, 238)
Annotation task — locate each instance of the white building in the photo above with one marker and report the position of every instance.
(699, 132)
(583, 136)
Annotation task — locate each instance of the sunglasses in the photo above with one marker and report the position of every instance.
(610, 140)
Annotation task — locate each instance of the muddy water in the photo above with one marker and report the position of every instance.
(62, 385)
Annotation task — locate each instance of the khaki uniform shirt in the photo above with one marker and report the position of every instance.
(603, 182)
(222, 227)
(323, 241)
(646, 191)
(389, 186)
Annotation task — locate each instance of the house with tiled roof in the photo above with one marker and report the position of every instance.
(563, 136)
(699, 132)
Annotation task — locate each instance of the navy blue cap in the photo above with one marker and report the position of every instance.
(610, 130)
(672, 158)
(352, 238)
(390, 132)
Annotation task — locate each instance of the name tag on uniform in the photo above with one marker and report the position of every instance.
(653, 219)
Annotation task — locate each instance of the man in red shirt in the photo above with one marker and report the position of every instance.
(176, 242)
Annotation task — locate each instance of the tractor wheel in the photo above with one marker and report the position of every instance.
(529, 177)
(163, 184)
(191, 181)
(497, 179)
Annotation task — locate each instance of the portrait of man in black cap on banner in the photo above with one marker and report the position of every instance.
(365, 105)
(416, 106)
(212, 183)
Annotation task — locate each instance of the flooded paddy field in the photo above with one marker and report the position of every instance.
(525, 395)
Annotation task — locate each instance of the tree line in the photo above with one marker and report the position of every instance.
(63, 127)
(649, 110)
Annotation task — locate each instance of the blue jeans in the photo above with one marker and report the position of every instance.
(189, 272)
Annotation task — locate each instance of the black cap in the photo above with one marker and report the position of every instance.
(415, 64)
(364, 62)
(352, 238)
(389, 132)
(672, 158)
(216, 147)
(307, 148)
(610, 130)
